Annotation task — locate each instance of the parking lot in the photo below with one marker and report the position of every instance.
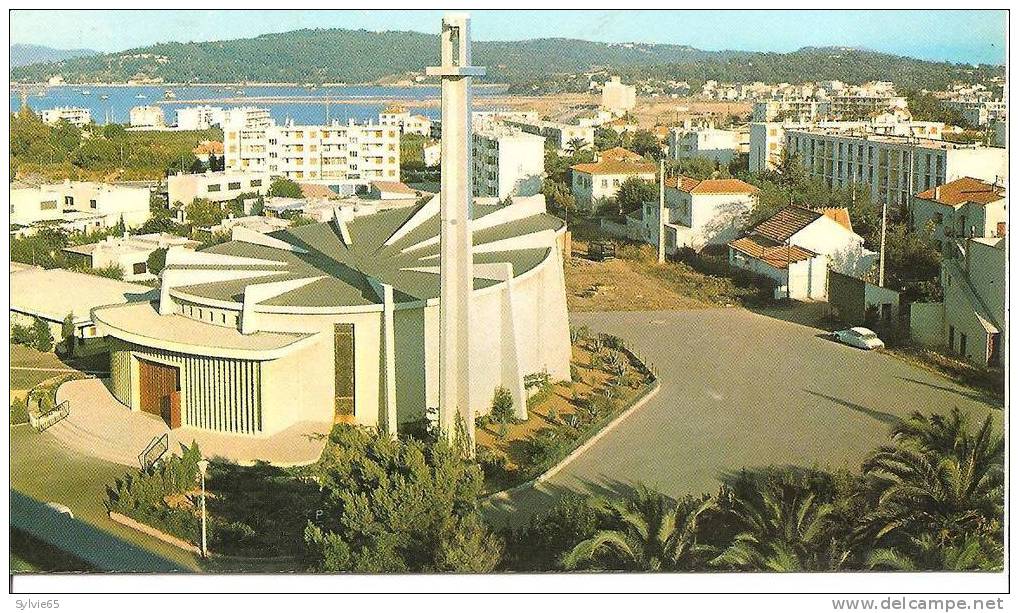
(740, 389)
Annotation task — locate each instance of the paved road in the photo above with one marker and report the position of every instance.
(741, 389)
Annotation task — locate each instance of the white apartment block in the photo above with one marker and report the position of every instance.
(244, 117)
(862, 106)
(507, 162)
(198, 117)
(341, 153)
(215, 186)
(767, 140)
(978, 113)
(147, 117)
(618, 98)
(130, 253)
(559, 134)
(398, 117)
(71, 114)
(788, 109)
(432, 154)
(964, 208)
(720, 146)
(79, 205)
(892, 167)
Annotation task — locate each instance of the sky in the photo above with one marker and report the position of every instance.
(958, 36)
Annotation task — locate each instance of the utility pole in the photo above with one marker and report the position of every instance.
(661, 211)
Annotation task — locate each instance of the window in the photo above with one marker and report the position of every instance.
(214, 187)
(92, 203)
(343, 356)
(48, 205)
(256, 183)
(139, 268)
(68, 200)
(233, 185)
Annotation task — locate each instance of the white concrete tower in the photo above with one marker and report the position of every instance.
(456, 278)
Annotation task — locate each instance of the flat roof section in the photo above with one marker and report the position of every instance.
(52, 294)
(140, 323)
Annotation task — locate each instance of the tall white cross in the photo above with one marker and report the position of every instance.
(456, 278)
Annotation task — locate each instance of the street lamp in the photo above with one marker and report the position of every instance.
(203, 467)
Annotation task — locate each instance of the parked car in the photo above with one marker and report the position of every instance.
(862, 338)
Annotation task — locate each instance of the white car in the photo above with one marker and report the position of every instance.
(862, 338)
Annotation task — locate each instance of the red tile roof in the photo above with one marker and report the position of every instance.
(771, 253)
(313, 190)
(393, 186)
(786, 222)
(617, 161)
(840, 215)
(710, 186)
(961, 191)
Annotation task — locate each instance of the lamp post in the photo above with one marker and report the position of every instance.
(203, 467)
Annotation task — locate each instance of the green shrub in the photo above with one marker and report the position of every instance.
(502, 405)
(19, 412)
(575, 375)
(42, 338)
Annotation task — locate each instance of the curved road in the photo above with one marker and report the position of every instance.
(741, 389)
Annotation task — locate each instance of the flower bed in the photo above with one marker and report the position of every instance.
(606, 379)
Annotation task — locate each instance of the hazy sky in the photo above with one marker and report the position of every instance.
(960, 36)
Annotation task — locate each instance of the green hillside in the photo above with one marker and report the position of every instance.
(360, 56)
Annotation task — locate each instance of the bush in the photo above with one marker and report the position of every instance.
(42, 338)
(502, 405)
(19, 412)
(575, 374)
(541, 543)
(22, 335)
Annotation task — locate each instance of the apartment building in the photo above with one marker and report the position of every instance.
(767, 139)
(398, 117)
(978, 113)
(243, 117)
(893, 168)
(78, 205)
(788, 109)
(862, 105)
(507, 162)
(216, 186)
(340, 153)
(964, 208)
(720, 146)
(561, 135)
(130, 253)
(147, 117)
(618, 98)
(71, 114)
(198, 117)
(600, 180)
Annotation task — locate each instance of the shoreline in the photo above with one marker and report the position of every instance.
(17, 85)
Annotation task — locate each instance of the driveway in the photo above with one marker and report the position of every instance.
(740, 389)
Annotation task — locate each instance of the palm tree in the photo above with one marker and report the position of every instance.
(575, 145)
(784, 527)
(650, 533)
(937, 481)
(928, 553)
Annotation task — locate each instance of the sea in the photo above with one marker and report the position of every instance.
(302, 105)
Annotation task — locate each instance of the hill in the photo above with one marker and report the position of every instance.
(26, 55)
(360, 56)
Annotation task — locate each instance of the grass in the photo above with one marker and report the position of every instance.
(43, 469)
(635, 281)
(31, 555)
(27, 357)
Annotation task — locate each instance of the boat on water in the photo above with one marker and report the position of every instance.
(86, 92)
(104, 97)
(169, 95)
(140, 96)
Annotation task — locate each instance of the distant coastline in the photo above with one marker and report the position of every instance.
(17, 84)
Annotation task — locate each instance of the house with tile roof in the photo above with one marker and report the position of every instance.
(964, 208)
(598, 181)
(971, 320)
(701, 212)
(797, 234)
